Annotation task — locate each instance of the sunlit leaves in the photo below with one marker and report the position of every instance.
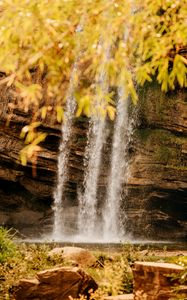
(130, 41)
(29, 128)
(48, 37)
(163, 74)
(32, 138)
(159, 41)
(179, 71)
(43, 112)
(83, 105)
(31, 94)
(59, 113)
(111, 111)
(45, 34)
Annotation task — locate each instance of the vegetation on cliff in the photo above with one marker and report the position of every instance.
(46, 48)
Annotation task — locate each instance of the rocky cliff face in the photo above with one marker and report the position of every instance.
(156, 205)
(26, 201)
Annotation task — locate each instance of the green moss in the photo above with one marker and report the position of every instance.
(144, 134)
(81, 139)
(165, 146)
(178, 167)
(163, 154)
(155, 105)
(168, 149)
(158, 135)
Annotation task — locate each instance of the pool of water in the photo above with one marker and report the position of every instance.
(111, 247)
(95, 242)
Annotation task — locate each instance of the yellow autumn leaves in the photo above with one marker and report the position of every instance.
(41, 41)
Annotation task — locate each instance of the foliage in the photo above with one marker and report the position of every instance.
(115, 277)
(112, 271)
(161, 43)
(7, 247)
(183, 262)
(181, 278)
(76, 49)
(28, 260)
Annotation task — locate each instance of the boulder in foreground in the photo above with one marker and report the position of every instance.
(56, 284)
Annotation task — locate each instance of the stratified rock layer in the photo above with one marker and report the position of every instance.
(156, 204)
(157, 200)
(26, 200)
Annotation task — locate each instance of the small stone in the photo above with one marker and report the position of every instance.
(144, 252)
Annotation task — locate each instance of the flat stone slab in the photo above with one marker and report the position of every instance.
(156, 281)
(120, 297)
(158, 266)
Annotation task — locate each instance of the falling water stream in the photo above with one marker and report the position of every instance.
(87, 218)
(90, 226)
(112, 214)
(88, 201)
(58, 227)
(64, 151)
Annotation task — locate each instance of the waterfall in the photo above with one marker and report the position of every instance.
(88, 201)
(113, 215)
(62, 172)
(87, 216)
(119, 172)
(64, 149)
(90, 225)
